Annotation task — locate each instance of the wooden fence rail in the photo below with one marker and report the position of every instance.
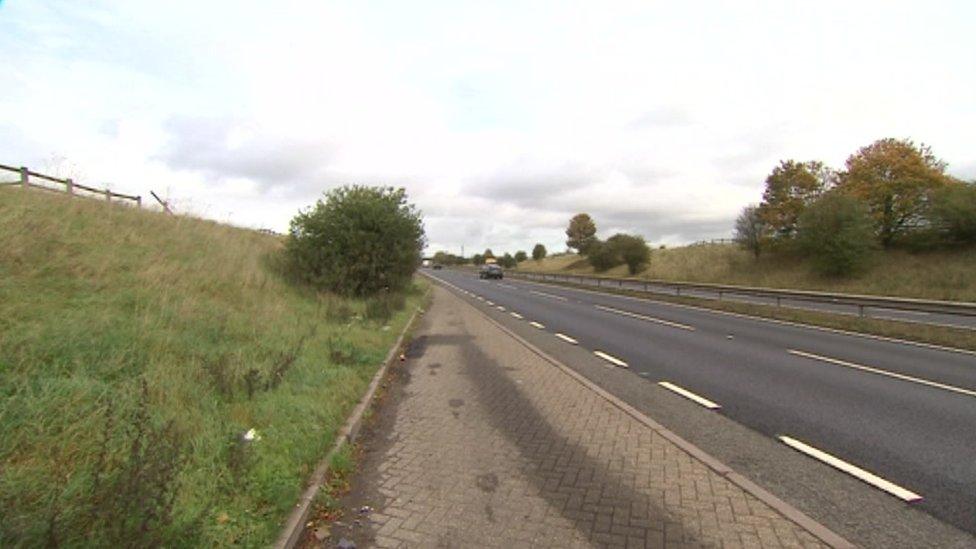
(70, 186)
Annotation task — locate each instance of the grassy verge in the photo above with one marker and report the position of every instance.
(935, 335)
(942, 274)
(136, 352)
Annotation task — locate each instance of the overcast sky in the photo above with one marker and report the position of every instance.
(502, 119)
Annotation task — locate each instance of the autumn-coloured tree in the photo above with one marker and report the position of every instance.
(581, 233)
(894, 177)
(790, 188)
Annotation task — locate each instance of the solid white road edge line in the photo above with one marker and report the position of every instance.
(903, 377)
(535, 324)
(611, 359)
(853, 470)
(544, 294)
(516, 315)
(645, 317)
(689, 395)
(566, 338)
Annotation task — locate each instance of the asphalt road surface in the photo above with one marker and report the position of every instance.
(936, 319)
(906, 413)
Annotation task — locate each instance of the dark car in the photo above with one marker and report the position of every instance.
(491, 271)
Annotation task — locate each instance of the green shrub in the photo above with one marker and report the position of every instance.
(837, 232)
(358, 241)
(538, 252)
(952, 212)
(620, 249)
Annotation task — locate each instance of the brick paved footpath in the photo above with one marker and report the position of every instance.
(490, 445)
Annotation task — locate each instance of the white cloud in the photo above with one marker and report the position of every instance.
(502, 119)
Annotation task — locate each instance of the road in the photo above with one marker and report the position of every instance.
(920, 317)
(903, 412)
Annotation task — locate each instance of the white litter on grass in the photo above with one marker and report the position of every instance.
(252, 435)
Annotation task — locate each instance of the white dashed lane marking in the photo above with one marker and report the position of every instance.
(567, 339)
(853, 470)
(689, 395)
(611, 359)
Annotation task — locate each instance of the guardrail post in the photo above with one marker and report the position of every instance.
(720, 295)
(777, 301)
(138, 202)
(69, 185)
(108, 195)
(677, 290)
(599, 282)
(860, 311)
(620, 283)
(645, 287)
(24, 177)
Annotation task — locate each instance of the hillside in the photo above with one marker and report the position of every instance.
(931, 275)
(136, 350)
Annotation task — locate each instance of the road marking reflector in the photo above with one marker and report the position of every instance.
(566, 338)
(689, 395)
(903, 377)
(611, 359)
(645, 317)
(536, 325)
(553, 296)
(853, 470)
(516, 315)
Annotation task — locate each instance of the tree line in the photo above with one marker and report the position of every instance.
(891, 193)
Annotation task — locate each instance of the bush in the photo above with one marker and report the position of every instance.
(507, 261)
(358, 241)
(520, 256)
(952, 213)
(618, 250)
(382, 306)
(837, 232)
(633, 251)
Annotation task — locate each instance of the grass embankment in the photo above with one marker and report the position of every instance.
(949, 275)
(136, 349)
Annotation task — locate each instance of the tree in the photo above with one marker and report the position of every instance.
(520, 256)
(478, 259)
(790, 188)
(357, 241)
(507, 261)
(837, 232)
(488, 254)
(538, 252)
(631, 249)
(952, 212)
(581, 233)
(751, 230)
(894, 178)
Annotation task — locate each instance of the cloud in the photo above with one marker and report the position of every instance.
(222, 148)
(663, 117)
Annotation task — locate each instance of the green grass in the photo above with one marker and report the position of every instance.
(949, 275)
(135, 349)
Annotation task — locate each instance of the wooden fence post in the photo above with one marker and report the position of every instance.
(70, 185)
(23, 177)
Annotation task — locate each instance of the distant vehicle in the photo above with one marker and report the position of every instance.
(491, 271)
(438, 266)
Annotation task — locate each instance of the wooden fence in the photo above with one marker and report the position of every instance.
(69, 186)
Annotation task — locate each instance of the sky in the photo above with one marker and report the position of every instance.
(501, 119)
